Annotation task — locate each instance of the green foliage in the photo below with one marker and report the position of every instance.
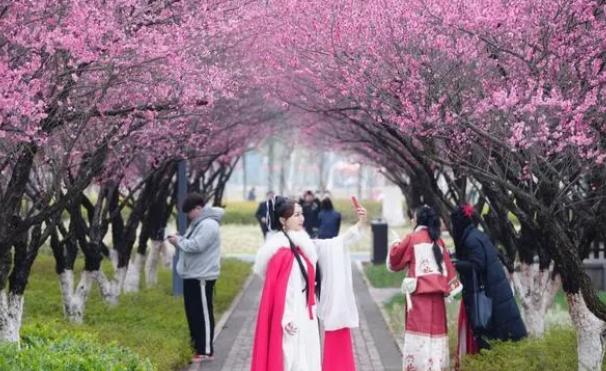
(45, 348)
(380, 277)
(243, 212)
(555, 351)
(151, 323)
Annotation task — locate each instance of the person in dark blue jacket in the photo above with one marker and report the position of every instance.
(330, 220)
(311, 209)
(476, 253)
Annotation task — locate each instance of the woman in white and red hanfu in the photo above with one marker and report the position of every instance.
(429, 266)
(287, 335)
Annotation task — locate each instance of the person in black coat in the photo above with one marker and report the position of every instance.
(311, 209)
(475, 252)
(261, 213)
(329, 220)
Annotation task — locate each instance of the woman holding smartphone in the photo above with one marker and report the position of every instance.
(297, 271)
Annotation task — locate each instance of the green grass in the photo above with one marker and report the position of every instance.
(45, 348)
(380, 277)
(151, 323)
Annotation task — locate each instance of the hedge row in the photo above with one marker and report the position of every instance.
(243, 212)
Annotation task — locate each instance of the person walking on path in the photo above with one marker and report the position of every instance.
(287, 336)
(476, 255)
(199, 267)
(430, 278)
(329, 220)
(261, 213)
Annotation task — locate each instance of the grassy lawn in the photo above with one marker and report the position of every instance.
(151, 323)
(380, 277)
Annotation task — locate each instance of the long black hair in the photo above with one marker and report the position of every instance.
(283, 207)
(427, 216)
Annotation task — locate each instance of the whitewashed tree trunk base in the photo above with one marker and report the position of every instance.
(133, 274)
(591, 334)
(74, 302)
(537, 291)
(168, 252)
(113, 257)
(11, 312)
(111, 289)
(151, 263)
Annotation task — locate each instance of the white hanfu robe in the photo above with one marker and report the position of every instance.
(337, 307)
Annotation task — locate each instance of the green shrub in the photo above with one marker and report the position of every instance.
(243, 212)
(43, 348)
(555, 351)
(151, 323)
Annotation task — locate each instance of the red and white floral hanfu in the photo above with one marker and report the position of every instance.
(426, 334)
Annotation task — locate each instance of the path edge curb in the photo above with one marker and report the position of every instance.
(380, 305)
(234, 303)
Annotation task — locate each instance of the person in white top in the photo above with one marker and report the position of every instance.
(287, 335)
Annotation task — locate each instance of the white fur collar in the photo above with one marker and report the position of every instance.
(278, 241)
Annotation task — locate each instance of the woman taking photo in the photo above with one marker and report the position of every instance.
(287, 336)
(430, 278)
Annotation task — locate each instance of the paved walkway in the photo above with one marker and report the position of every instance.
(375, 347)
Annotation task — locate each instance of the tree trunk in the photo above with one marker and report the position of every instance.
(133, 274)
(151, 263)
(74, 302)
(537, 289)
(167, 252)
(110, 289)
(591, 333)
(11, 311)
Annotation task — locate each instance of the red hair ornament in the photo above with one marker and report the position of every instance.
(468, 210)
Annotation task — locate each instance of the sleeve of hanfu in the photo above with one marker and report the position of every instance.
(337, 306)
(400, 255)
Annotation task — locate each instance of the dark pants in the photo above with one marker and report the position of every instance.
(198, 299)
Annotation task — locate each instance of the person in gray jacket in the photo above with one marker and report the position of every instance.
(199, 267)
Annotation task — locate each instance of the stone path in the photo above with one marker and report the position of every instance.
(375, 347)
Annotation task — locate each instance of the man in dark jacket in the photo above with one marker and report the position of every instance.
(329, 220)
(311, 209)
(477, 255)
(261, 213)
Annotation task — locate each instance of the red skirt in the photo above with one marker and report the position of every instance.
(466, 342)
(338, 351)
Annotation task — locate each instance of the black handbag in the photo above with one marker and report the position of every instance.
(481, 307)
